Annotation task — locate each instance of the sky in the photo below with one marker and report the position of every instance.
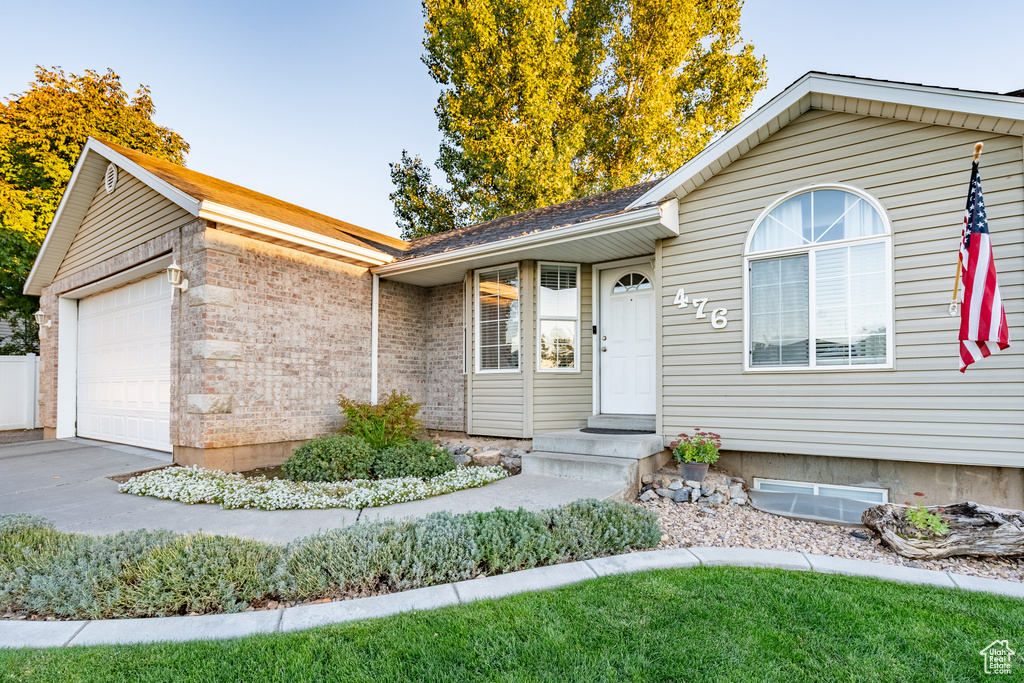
(310, 101)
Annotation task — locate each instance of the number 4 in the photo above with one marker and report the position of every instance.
(681, 299)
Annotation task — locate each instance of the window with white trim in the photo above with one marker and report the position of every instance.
(558, 317)
(497, 319)
(819, 283)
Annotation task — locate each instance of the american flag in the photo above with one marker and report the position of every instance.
(983, 329)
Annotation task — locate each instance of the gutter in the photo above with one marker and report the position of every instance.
(374, 336)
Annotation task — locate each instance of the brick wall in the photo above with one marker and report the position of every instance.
(446, 384)
(267, 337)
(283, 333)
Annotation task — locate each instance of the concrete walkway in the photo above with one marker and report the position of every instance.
(66, 482)
(221, 626)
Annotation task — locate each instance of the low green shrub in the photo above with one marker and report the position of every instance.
(143, 573)
(510, 540)
(76, 576)
(420, 459)
(588, 528)
(201, 573)
(387, 422)
(331, 458)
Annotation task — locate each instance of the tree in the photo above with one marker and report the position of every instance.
(544, 101)
(42, 133)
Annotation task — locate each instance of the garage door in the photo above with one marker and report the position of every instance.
(124, 364)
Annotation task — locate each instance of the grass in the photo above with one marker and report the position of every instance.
(702, 624)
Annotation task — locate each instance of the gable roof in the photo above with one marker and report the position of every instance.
(232, 207)
(982, 111)
(529, 222)
(206, 188)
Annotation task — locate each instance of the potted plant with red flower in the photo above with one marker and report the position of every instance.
(695, 452)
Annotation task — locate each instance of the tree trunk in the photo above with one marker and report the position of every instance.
(973, 530)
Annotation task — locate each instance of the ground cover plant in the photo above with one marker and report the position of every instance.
(192, 485)
(700, 624)
(141, 573)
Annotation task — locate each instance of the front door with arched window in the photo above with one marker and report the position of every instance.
(627, 341)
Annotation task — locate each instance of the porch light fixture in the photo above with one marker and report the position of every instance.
(40, 316)
(174, 277)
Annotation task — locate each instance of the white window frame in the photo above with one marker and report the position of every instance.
(476, 319)
(579, 315)
(815, 486)
(748, 258)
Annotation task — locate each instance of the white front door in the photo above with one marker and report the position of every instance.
(627, 341)
(124, 364)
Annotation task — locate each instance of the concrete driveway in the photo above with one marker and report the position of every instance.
(66, 482)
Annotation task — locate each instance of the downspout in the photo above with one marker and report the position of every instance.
(374, 327)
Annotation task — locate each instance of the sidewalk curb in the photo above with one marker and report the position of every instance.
(40, 634)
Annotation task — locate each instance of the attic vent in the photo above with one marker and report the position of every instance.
(110, 178)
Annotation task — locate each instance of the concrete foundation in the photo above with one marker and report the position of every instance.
(236, 458)
(940, 484)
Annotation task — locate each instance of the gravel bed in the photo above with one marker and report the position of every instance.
(686, 525)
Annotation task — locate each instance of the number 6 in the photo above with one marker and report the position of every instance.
(718, 320)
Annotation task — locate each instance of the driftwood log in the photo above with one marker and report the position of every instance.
(973, 530)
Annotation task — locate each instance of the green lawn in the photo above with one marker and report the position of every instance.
(703, 624)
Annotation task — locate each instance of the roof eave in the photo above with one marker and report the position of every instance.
(665, 214)
(348, 251)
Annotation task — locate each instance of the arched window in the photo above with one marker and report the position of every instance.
(631, 282)
(820, 282)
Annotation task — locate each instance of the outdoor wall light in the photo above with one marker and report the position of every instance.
(40, 316)
(174, 277)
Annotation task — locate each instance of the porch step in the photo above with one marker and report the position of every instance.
(629, 446)
(619, 471)
(612, 421)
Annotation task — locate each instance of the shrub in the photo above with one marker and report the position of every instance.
(420, 459)
(72, 575)
(201, 573)
(330, 458)
(144, 573)
(588, 528)
(390, 421)
(510, 540)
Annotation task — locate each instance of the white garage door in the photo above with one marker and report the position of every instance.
(124, 364)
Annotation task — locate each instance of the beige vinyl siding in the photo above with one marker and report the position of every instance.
(923, 409)
(496, 399)
(134, 213)
(563, 400)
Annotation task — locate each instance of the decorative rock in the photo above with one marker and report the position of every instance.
(736, 491)
(692, 484)
(716, 499)
(505, 452)
(647, 479)
(675, 486)
(738, 480)
(737, 501)
(487, 458)
(706, 489)
(461, 459)
(518, 453)
(664, 493)
(513, 465)
(648, 496)
(681, 495)
(695, 494)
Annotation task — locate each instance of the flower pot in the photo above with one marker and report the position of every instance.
(694, 471)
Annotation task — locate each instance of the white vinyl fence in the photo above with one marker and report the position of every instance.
(19, 389)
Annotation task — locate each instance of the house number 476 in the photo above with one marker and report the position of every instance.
(718, 319)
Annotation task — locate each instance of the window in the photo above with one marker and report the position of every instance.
(819, 283)
(558, 317)
(827, 490)
(497, 315)
(631, 282)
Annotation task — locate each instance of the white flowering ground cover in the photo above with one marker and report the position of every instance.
(233, 491)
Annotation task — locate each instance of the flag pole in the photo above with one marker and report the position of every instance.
(956, 283)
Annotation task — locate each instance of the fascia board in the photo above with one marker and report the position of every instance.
(220, 213)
